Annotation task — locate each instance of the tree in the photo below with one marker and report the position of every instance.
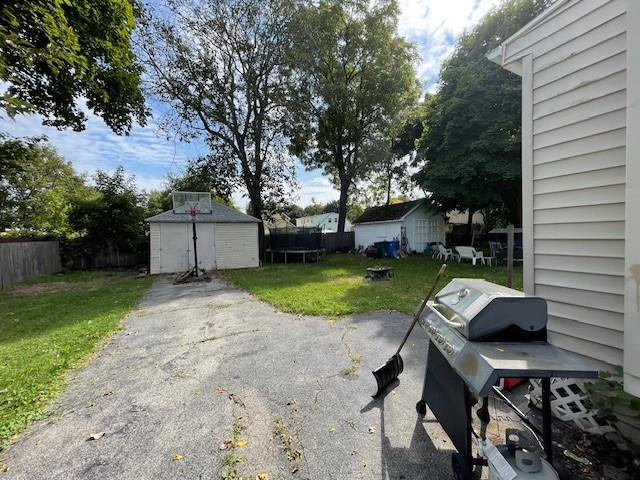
(114, 217)
(313, 208)
(55, 52)
(222, 66)
(37, 188)
(293, 211)
(471, 141)
(356, 74)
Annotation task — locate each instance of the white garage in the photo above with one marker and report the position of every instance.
(415, 224)
(226, 239)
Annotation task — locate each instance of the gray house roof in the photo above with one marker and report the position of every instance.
(219, 214)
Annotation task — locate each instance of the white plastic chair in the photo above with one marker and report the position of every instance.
(444, 253)
(470, 253)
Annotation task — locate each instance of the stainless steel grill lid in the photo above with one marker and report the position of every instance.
(481, 310)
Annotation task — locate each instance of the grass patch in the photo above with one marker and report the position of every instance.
(338, 287)
(45, 334)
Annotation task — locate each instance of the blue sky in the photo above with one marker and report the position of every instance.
(433, 25)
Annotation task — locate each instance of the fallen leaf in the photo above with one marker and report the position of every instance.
(372, 429)
(354, 452)
(107, 393)
(96, 436)
(262, 476)
(241, 443)
(332, 429)
(177, 457)
(226, 444)
(3, 468)
(573, 456)
(364, 464)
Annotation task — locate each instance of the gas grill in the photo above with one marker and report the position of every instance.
(480, 332)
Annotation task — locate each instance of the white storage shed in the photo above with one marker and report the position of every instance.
(414, 223)
(226, 239)
(580, 68)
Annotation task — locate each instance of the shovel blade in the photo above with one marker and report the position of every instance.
(388, 373)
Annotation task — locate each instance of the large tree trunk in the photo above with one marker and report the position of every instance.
(470, 225)
(257, 211)
(342, 203)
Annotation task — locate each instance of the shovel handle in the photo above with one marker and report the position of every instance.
(424, 304)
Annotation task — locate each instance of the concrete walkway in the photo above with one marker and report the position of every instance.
(200, 369)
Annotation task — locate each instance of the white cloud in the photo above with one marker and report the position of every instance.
(434, 26)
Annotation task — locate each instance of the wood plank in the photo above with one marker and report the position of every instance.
(610, 355)
(579, 113)
(580, 78)
(587, 162)
(580, 129)
(594, 143)
(577, 198)
(586, 298)
(613, 212)
(581, 231)
(591, 55)
(568, 23)
(591, 282)
(592, 333)
(585, 248)
(580, 43)
(577, 181)
(592, 316)
(614, 82)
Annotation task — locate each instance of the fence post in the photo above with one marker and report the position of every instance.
(509, 256)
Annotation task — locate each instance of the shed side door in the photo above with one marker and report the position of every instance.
(174, 247)
(236, 245)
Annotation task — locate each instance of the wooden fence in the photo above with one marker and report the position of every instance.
(109, 257)
(22, 260)
(339, 241)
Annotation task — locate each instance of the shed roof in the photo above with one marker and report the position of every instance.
(219, 214)
(387, 213)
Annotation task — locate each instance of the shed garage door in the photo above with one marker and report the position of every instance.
(174, 243)
(236, 245)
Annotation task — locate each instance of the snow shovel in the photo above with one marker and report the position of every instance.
(387, 373)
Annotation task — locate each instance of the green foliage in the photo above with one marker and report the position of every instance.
(337, 286)
(45, 334)
(356, 75)
(471, 143)
(608, 398)
(114, 217)
(56, 51)
(37, 188)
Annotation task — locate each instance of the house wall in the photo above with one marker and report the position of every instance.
(574, 69)
(434, 229)
(236, 245)
(369, 233)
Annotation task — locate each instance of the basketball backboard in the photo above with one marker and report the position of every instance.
(191, 202)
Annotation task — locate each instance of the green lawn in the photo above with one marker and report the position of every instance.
(337, 286)
(49, 326)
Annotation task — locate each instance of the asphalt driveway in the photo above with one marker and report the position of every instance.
(206, 381)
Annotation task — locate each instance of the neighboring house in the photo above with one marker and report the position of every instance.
(414, 223)
(279, 220)
(326, 222)
(580, 68)
(456, 217)
(226, 239)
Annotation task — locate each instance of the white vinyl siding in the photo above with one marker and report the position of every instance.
(577, 118)
(154, 248)
(236, 245)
